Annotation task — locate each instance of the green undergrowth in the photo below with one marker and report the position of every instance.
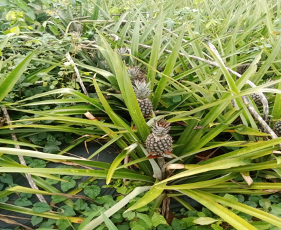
(92, 202)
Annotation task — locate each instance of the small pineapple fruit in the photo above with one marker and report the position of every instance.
(136, 73)
(277, 128)
(142, 92)
(159, 142)
(256, 98)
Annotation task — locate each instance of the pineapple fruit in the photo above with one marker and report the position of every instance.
(159, 142)
(142, 92)
(277, 128)
(256, 98)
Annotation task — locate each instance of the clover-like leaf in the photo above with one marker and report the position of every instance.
(129, 215)
(158, 219)
(92, 191)
(58, 198)
(41, 207)
(67, 211)
(63, 224)
(79, 204)
(65, 186)
(36, 220)
(23, 202)
(6, 178)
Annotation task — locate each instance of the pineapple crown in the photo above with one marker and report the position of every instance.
(161, 128)
(141, 89)
(134, 72)
(104, 63)
(123, 50)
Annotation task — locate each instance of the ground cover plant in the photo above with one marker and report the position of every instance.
(194, 81)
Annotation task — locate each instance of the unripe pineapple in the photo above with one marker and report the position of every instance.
(159, 142)
(277, 128)
(136, 73)
(142, 92)
(256, 98)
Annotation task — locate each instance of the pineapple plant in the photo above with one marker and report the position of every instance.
(159, 142)
(277, 128)
(136, 73)
(256, 98)
(142, 92)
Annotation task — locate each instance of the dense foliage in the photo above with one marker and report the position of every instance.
(212, 70)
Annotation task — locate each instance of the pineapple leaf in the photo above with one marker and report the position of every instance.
(9, 82)
(118, 160)
(136, 38)
(130, 136)
(168, 70)
(245, 208)
(229, 216)
(151, 195)
(127, 90)
(217, 165)
(276, 112)
(154, 56)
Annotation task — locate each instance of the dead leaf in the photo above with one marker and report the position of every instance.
(9, 221)
(247, 178)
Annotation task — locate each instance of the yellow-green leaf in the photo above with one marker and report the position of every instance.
(151, 195)
(249, 131)
(118, 160)
(8, 83)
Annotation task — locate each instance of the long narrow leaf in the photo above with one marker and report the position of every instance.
(10, 142)
(29, 211)
(276, 111)
(246, 150)
(96, 222)
(8, 83)
(201, 184)
(80, 172)
(130, 136)
(151, 195)
(155, 52)
(127, 90)
(135, 38)
(224, 164)
(108, 222)
(267, 62)
(118, 160)
(105, 146)
(74, 120)
(82, 96)
(168, 70)
(230, 217)
(245, 208)
(31, 153)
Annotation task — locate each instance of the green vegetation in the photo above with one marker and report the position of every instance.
(74, 71)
